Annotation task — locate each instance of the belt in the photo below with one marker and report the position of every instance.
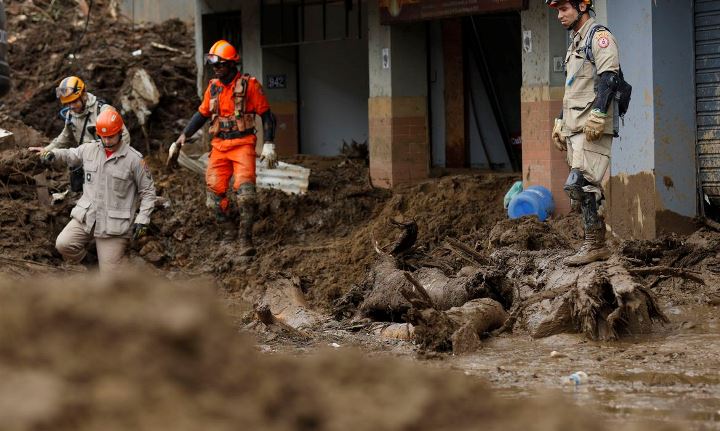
(234, 134)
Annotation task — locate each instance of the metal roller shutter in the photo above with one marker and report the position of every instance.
(707, 87)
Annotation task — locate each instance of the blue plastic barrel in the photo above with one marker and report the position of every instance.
(535, 200)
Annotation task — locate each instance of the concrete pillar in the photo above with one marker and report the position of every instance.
(397, 106)
(455, 142)
(541, 101)
(251, 50)
(653, 169)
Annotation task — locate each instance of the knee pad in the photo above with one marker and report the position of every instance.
(246, 193)
(574, 185)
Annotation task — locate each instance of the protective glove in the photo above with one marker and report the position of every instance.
(595, 125)
(139, 231)
(47, 157)
(557, 137)
(268, 153)
(174, 152)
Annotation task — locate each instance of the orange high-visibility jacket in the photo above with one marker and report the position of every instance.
(255, 103)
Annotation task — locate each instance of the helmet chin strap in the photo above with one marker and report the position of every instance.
(577, 20)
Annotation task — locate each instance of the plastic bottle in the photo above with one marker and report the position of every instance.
(516, 188)
(535, 200)
(576, 379)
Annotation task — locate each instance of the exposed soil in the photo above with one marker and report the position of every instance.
(84, 354)
(47, 41)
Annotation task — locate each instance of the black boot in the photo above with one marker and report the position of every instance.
(593, 248)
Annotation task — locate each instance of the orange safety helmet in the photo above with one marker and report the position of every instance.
(109, 123)
(70, 89)
(222, 51)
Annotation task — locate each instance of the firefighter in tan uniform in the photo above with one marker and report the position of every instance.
(80, 111)
(586, 126)
(115, 177)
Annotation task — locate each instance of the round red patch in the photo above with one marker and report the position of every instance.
(603, 42)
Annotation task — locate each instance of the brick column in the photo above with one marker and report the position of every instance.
(397, 107)
(541, 101)
(543, 164)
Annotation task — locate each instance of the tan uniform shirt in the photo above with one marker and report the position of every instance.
(112, 186)
(582, 75)
(73, 130)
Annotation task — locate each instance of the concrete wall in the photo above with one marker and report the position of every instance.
(283, 101)
(334, 85)
(674, 89)
(652, 187)
(437, 91)
(158, 10)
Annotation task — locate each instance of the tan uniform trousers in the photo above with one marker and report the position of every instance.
(73, 239)
(592, 159)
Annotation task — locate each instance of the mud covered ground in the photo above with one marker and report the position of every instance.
(323, 240)
(138, 353)
(139, 345)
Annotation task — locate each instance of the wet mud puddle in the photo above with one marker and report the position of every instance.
(670, 375)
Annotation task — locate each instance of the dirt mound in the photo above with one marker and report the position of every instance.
(48, 40)
(527, 233)
(141, 354)
(27, 227)
(325, 236)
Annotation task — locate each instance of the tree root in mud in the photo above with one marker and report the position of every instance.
(600, 300)
(544, 297)
(458, 329)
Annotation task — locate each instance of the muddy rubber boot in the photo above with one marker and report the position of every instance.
(593, 249)
(247, 207)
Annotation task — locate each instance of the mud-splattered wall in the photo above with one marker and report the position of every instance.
(674, 91)
(652, 188)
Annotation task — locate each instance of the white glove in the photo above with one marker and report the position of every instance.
(173, 154)
(268, 153)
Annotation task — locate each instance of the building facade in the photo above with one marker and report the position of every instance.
(433, 86)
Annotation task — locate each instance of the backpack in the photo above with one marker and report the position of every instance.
(624, 90)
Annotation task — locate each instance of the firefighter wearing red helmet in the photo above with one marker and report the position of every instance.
(231, 101)
(117, 200)
(587, 123)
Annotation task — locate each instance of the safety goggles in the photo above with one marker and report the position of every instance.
(215, 60)
(65, 91)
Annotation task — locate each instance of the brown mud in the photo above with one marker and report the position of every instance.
(137, 353)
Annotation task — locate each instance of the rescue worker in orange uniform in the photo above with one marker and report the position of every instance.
(231, 101)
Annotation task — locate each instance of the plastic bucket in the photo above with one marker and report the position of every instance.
(535, 200)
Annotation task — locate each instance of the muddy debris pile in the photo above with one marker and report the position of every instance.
(519, 283)
(142, 354)
(51, 39)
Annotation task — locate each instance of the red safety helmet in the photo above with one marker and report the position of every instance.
(222, 51)
(109, 123)
(576, 3)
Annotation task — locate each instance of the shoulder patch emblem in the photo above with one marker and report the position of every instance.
(603, 42)
(602, 33)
